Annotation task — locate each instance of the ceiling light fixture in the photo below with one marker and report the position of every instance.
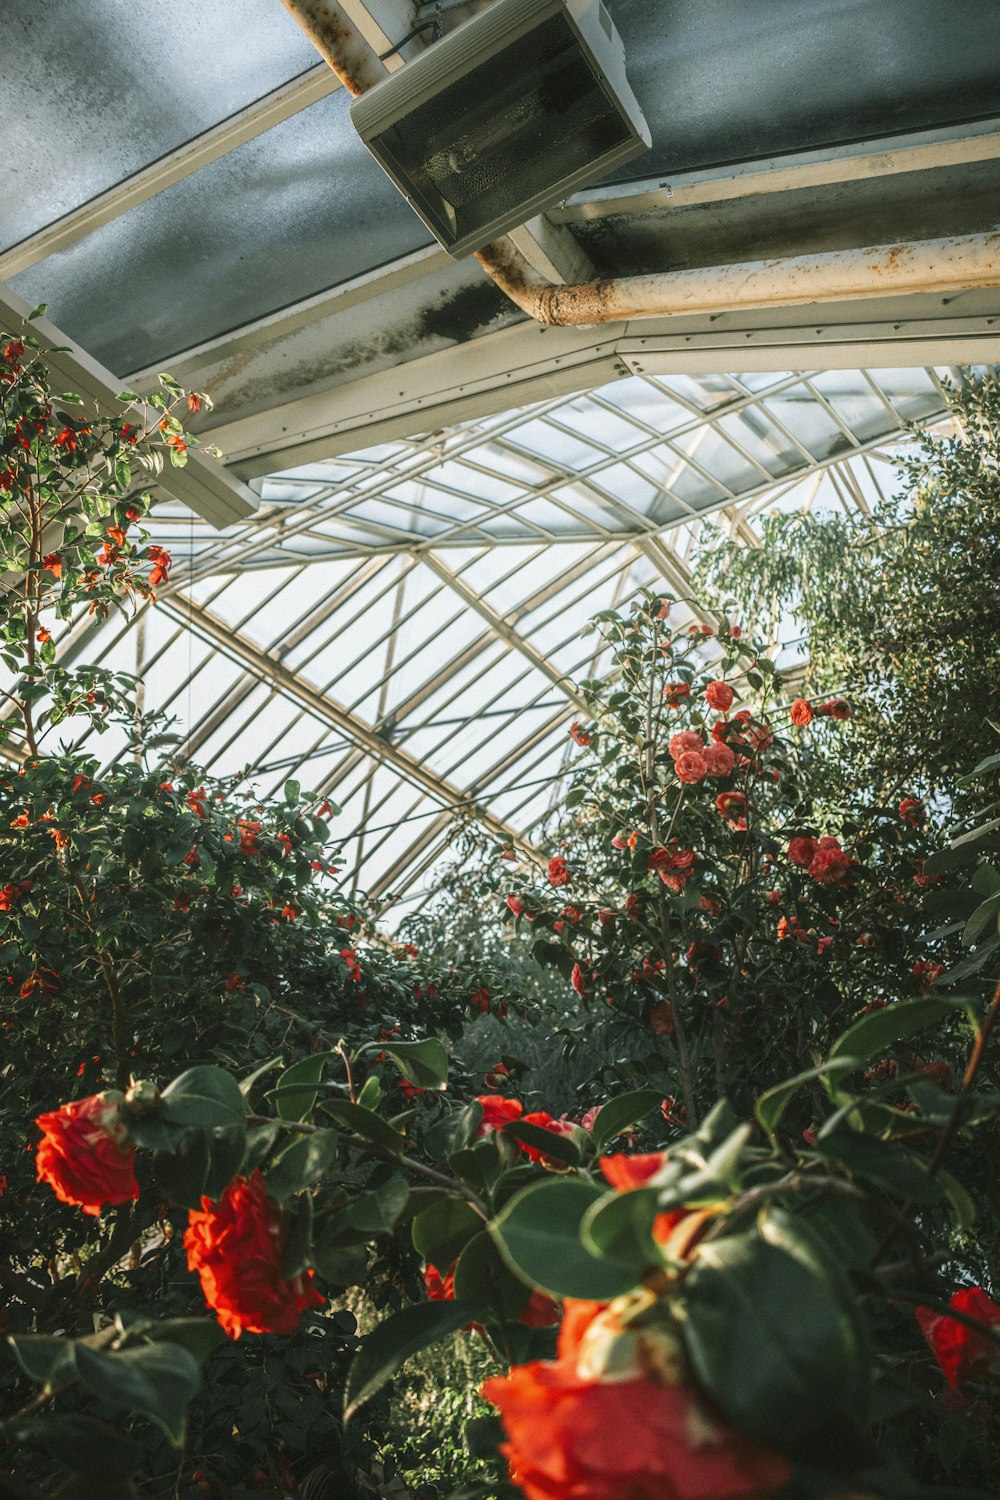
(503, 117)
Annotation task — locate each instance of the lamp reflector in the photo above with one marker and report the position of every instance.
(504, 117)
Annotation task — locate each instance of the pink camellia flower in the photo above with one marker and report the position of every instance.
(684, 741)
(802, 850)
(801, 713)
(719, 696)
(674, 692)
(719, 759)
(558, 871)
(836, 708)
(516, 905)
(690, 767)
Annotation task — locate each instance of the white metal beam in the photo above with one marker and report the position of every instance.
(917, 151)
(203, 485)
(217, 632)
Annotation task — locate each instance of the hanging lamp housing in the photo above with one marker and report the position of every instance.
(504, 117)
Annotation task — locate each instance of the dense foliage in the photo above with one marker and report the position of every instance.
(901, 610)
(745, 1264)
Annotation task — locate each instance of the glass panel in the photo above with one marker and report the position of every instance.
(94, 92)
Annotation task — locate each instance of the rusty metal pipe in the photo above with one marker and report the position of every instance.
(339, 43)
(939, 266)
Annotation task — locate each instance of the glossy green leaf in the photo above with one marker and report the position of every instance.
(619, 1227)
(880, 1028)
(769, 1339)
(772, 1104)
(440, 1233)
(302, 1163)
(424, 1063)
(618, 1114)
(559, 1147)
(158, 1380)
(385, 1350)
(483, 1279)
(539, 1236)
(362, 1122)
(203, 1096)
(295, 1094)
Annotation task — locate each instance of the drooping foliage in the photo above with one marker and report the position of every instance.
(901, 611)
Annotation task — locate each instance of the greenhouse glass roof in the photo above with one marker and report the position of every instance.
(423, 494)
(400, 629)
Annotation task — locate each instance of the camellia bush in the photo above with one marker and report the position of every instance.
(229, 1118)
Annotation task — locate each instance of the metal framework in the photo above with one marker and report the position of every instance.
(382, 588)
(403, 629)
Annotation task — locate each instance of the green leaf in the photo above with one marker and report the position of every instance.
(158, 1380)
(424, 1063)
(559, 1147)
(198, 1336)
(484, 1280)
(377, 1211)
(538, 1232)
(385, 1350)
(38, 312)
(45, 1359)
(302, 1163)
(246, 1084)
(203, 1096)
(296, 1092)
(440, 1233)
(880, 1028)
(627, 1109)
(293, 793)
(369, 1126)
(983, 921)
(454, 1131)
(769, 1339)
(772, 1104)
(888, 1164)
(619, 1227)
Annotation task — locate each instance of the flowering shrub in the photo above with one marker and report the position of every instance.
(704, 892)
(760, 1255)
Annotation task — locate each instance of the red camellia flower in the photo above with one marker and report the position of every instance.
(573, 1435)
(497, 1111)
(963, 1353)
(719, 759)
(558, 871)
(538, 1312)
(579, 735)
(802, 851)
(690, 767)
(829, 863)
(661, 1018)
(836, 708)
(84, 1155)
(53, 563)
(719, 696)
(911, 811)
(542, 1120)
(685, 741)
(578, 980)
(674, 692)
(802, 713)
(236, 1247)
